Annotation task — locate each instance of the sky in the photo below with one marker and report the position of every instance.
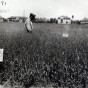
(45, 8)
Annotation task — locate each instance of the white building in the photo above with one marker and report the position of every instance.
(64, 20)
(84, 21)
(1, 19)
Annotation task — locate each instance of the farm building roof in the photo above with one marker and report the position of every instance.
(85, 19)
(65, 17)
(1, 17)
(14, 17)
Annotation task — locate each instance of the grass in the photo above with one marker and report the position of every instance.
(44, 53)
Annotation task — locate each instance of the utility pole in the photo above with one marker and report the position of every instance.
(23, 15)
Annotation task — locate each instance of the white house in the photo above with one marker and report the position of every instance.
(84, 21)
(64, 20)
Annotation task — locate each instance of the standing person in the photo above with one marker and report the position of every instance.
(28, 23)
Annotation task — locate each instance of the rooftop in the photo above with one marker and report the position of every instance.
(65, 17)
(14, 17)
(85, 19)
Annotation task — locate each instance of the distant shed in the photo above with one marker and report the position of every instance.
(84, 21)
(12, 18)
(17, 19)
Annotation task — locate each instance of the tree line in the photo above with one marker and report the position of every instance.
(44, 20)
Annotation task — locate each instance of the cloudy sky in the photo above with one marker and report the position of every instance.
(45, 8)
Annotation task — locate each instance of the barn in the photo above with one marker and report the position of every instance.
(1, 19)
(17, 19)
(84, 21)
(12, 18)
(64, 20)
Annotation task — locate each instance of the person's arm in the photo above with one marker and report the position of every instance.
(31, 25)
(25, 24)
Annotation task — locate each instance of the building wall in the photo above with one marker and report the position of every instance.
(84, 22)
(65, 21)
(1, 20)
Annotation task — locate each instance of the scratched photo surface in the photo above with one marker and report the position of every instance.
(43, 43)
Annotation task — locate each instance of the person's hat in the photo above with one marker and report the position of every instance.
(32, 16)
